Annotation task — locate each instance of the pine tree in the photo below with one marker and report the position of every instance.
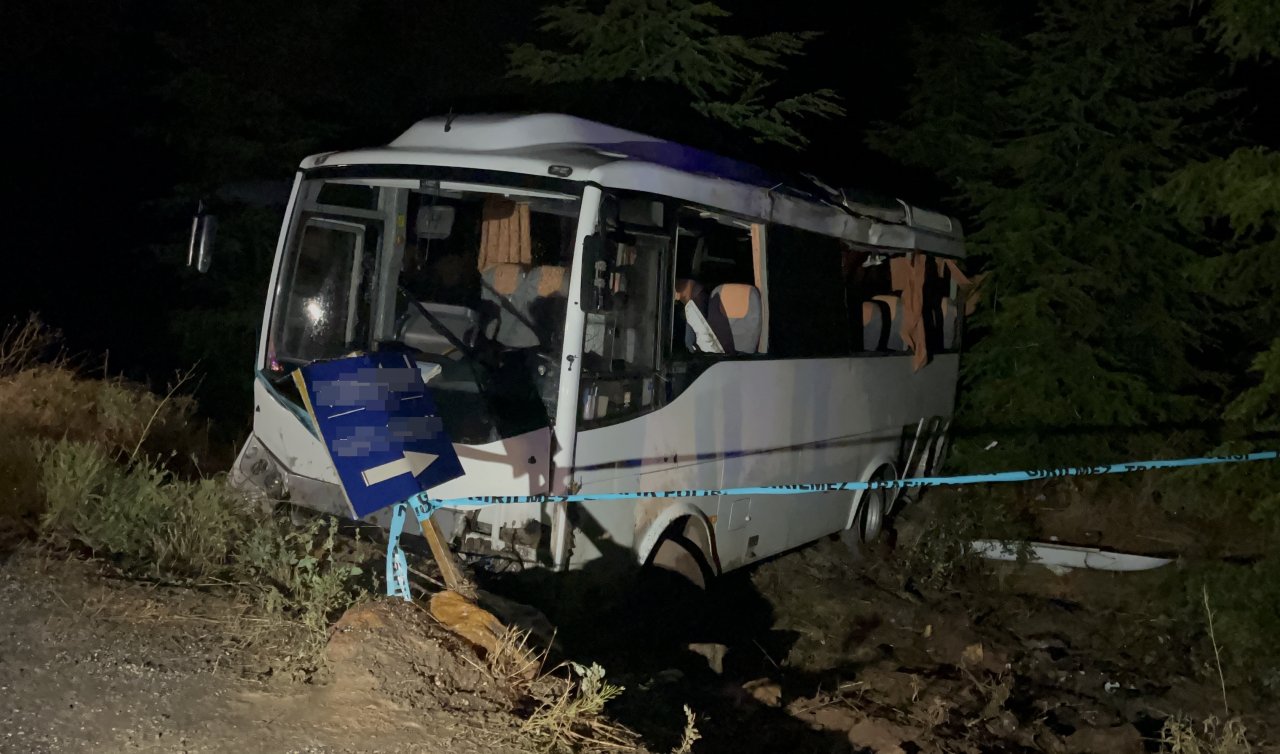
(1241, 194)
(1056, 142)
(679, 43)
(1246, 28)
(1241, 191)
(1237, 195)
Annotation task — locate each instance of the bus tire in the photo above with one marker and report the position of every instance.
(869, 519)
(678, 553)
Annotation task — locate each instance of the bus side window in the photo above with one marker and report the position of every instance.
(876, 283)
(809, 314)
(873, 301)
(718, 310)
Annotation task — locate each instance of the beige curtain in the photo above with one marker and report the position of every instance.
(913, 335)
(762, 283)
(971, 289)
(504, 233)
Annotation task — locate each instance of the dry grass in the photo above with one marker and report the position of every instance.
(56, 402)
(110, 466)
(1181, 736)
(180, 379)
(570, 716)
(514, 662)
(1211, 736)
(690, 735)
(574, 719)
(1217, 651)
(27, 342)
(43, 399)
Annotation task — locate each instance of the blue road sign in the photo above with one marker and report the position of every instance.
(379, 422)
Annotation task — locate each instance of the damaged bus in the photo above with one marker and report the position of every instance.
(596, 310)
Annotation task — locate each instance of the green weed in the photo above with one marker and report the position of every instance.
(112, 467)
(154, 524)
(295, 570)
(936, 545)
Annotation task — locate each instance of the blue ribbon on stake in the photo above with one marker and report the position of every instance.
(397, 565)
(422, 505)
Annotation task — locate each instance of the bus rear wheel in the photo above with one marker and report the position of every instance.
(868, 522)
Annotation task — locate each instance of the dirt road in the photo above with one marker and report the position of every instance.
(91, 664)
(808, 652)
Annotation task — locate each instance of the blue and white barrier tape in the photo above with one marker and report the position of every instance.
(427, 502)
(397, 564)
(422, 505)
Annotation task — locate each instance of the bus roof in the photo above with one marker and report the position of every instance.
(582, 150)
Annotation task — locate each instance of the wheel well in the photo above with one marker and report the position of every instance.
(695, 529)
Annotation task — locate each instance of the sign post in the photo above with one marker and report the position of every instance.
(388, 445)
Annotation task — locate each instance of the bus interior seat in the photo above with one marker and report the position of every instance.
(503, 278)
(549, 280)
(548, 301)
(949, 312)
(882, 328)
(739, 306)
(698, 336)
(505, 321)
(875, 326)
(892, 339)
(522, 303)
(691, 290)
(420, 333)
(882, 316)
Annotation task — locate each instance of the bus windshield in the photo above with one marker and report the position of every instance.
(470, 278)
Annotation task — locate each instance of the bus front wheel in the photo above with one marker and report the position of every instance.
(679, 553)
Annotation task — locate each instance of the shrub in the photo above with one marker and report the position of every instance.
(156, 524)
(164, 525)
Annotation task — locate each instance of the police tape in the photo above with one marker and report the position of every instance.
(425, 501)
(422, 506)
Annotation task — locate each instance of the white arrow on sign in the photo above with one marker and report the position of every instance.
(413, 463)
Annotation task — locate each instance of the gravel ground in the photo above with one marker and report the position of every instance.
(93, 664)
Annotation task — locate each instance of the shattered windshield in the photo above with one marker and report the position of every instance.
(470, 278)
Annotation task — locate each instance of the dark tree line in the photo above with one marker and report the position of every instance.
(1110, 159)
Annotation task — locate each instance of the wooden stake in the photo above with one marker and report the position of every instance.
(450, 570)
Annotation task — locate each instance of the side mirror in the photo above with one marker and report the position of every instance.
(595, 273)
(204, 228)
